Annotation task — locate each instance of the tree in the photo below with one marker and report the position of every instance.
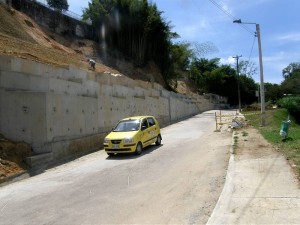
(181, 54)
(222, 81)
(291, 86)
(290, 70)
(211, 77)
(273, 92)
(247, 68)
(291, 74)
(202, 49)
(200, 70)
(248, 88)
(134, 28)
(292, 104)
(59, 5)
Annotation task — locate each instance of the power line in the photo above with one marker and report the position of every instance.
(222, 9)
(250, 55)
(232, 18)
(252, 48)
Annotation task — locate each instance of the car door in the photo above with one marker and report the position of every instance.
(145, 135)
(152, 130)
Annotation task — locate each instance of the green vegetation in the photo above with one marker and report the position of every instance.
(289, 87)
(211, 77)
(292, 104)
(244, 134)
(134, 28)
(289, 147)
(59, 5)
(235, 143)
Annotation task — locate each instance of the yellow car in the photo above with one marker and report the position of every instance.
(132, 134)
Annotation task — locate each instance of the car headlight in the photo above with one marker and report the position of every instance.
(128, 140)
(106, 141)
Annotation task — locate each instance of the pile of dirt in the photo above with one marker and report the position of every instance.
(12, 158)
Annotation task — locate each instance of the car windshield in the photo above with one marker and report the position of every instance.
(127, 125)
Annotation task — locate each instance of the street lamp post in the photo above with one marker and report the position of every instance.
(262, 89)
(238, 80)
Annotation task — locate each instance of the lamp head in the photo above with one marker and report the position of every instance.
(237, 21)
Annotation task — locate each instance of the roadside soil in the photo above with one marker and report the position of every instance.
(252, 145)
(12, 158)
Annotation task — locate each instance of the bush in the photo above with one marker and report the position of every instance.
(257, 106)
(292, 104)
(252, 107)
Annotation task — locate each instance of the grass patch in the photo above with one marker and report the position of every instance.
(289, 147)
(235, 143)
(245, 134)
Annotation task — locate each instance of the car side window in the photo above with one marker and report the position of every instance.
(151, 122)
(144, 124)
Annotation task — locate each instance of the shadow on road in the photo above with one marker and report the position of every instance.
(126, 156)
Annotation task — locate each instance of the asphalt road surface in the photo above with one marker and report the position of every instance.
(178, 182)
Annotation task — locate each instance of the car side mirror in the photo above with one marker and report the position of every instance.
(144, 127)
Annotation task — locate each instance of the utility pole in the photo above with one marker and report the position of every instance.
(262, 89)
(238, 80)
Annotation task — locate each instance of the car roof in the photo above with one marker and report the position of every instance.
(136, 117)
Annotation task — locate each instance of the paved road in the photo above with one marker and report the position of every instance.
(178, 182)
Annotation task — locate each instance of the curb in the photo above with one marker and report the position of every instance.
(228, 189)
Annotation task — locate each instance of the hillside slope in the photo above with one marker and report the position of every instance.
(23, 37)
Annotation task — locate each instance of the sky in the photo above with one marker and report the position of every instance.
(204, 21)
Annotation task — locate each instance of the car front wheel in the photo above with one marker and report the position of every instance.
(158, 140)
(138, 149)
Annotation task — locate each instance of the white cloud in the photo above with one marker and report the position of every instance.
(242, 5)
(192, 30)
(290, 37)
(231, 61)
(274, 64)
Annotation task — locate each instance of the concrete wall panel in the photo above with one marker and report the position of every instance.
(22, 81)
(23, 116)
(71, 116)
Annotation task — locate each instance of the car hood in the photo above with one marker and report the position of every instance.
(120, 135)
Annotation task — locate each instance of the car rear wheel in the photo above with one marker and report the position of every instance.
(158, 140)
(110, 154)
(139, 148)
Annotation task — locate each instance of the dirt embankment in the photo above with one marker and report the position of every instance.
(12, 158)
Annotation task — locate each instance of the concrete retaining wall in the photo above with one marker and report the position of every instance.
(63, 112)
